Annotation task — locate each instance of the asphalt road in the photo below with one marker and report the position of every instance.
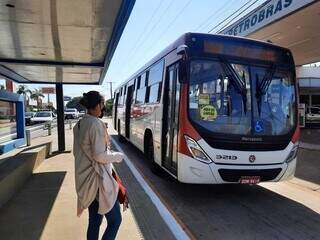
(287, 211)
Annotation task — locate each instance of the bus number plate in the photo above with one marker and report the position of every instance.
(249, 179)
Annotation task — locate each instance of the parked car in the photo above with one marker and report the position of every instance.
(71, 113)
(313, 114)
(82, 113)
(43, 116)
(28, 116)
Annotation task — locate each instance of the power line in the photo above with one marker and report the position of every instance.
(205, 22)
(230, 15)
(237, 16)
(148, 34)
(135, 47)
(170, 24)
(145, 28)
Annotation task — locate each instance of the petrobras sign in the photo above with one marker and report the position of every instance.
(267, 13)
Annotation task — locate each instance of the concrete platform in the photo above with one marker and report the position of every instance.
(45, 208)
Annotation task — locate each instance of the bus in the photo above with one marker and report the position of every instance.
(213, 109)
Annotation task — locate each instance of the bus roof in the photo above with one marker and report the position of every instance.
(187, 37)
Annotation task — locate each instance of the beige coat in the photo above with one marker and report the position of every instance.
(93, 165)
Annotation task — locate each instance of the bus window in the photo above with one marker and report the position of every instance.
(138, 82)
(156, 73)
(154, 82)
(142, 81)
(141, 95)
(153, 94)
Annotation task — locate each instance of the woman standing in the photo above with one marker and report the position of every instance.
(96, 188)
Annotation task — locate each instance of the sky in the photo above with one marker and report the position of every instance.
(151, 27)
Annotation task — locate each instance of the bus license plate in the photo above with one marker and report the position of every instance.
(249, 179)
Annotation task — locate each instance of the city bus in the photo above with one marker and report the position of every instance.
(213, 109)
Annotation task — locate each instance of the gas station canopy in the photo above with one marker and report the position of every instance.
(293, 24)
(60, 41)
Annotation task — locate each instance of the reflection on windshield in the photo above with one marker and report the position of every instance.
(218, 104)
(275, 115)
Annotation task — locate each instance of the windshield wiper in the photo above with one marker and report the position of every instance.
(239, 83)
(262, 87)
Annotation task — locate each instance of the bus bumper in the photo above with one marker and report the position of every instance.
(196, 172)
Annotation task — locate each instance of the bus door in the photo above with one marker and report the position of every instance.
(115, 109)
(130, 90)
(170, 119)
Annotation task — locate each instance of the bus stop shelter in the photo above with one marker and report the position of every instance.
(60, 42)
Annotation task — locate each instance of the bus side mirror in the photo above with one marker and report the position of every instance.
(183, 51)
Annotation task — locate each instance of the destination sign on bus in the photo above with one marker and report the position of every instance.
(244, 50)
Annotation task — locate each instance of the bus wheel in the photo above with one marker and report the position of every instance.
(154, 167)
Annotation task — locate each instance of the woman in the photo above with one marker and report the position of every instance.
(96, 188)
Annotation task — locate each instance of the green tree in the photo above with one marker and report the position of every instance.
(109, 107)
(2, 87)
(37, 95)
(23, 90)
(74, 103)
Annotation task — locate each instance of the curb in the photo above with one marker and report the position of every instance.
(309, 146)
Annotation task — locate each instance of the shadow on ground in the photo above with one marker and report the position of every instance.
(308, 165)
(232, 211)
(26, 214)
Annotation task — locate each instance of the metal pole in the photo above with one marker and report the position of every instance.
(49, 129)
(28, 137)
(60, 117)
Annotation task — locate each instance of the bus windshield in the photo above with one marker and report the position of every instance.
(235, 98)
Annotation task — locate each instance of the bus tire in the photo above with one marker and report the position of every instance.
(154, 167)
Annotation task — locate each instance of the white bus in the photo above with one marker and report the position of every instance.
(213, 109)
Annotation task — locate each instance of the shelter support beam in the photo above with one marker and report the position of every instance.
(60, 118)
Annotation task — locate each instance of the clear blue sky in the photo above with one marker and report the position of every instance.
(151, 27)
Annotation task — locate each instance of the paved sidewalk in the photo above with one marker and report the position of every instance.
(310, 139)
(46, 207)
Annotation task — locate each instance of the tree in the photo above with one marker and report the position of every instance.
(109, 106)
(37, 95)
(23, 90)
(74, 103)
(2, 87)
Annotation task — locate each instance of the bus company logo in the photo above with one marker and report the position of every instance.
(252, 158)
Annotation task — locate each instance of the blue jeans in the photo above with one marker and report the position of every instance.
(113, 219)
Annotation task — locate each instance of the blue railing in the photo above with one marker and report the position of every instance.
(18, 123)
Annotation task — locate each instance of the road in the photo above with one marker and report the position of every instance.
(4, 131)
(285, 210)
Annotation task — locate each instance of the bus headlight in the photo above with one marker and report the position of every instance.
(196, 151)
(293, 153)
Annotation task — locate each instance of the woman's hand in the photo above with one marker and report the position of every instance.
(119, 156)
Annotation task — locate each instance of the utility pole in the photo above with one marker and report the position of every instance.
(111, 92)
